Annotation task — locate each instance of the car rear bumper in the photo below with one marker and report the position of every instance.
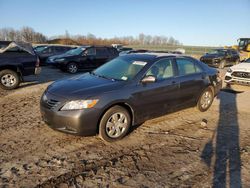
(212, 63)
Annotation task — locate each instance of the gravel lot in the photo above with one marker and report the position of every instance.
(182, 149)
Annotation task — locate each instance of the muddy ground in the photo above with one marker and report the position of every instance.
(182, 149)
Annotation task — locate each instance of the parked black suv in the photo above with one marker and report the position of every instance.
(221, 58)
(84, 57)
(17, 59)
(51, 50)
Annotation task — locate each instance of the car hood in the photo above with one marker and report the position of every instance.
(211, 56)
(83, 86)
(241, 67)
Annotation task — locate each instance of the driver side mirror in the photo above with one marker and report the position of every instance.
(148, 79)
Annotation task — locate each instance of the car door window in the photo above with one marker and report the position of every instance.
(186, 67)
(91, 51)
(162, 69)
(102, 52)
(58, 49)
(47, 50)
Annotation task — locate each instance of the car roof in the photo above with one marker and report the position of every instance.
(153, 55)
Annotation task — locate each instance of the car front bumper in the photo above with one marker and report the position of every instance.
(230, 79)
(78, 122)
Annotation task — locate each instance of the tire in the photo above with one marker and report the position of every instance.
(110, 129)
(222, 64)
(9, 79)
(205, 100)
(72, 68)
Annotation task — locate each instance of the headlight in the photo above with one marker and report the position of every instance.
(59, 60)
(79, 104)
(229, 70)
(216, 59)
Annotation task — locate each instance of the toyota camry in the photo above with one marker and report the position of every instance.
(127, 91)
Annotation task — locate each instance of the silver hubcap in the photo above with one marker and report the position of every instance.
(8, 80)
(116, 125)
(206, 99)
(72, 68)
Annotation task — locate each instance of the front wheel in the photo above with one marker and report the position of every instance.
(72, 68)
(9, 79)
(205, 100)
(114, 124)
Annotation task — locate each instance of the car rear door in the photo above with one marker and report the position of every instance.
(154, 99)
(191, 78)
(102, 55)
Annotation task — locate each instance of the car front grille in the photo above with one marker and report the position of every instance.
(241, 74)
(49, 103)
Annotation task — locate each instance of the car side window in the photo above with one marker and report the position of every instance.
(59, 49)
(47, 50)
(162, 69)
(91, 51)
(186, 67)
(102, 52)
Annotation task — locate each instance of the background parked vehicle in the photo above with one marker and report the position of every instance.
(84, 57)
(127, 91)
(17, 59)
(47, 51)
(238, 74)
(221, 58)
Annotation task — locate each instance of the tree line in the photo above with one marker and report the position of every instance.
(28, 34)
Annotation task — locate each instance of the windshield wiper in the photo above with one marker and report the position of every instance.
(106, 77)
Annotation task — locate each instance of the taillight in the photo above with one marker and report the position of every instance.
(37, 62)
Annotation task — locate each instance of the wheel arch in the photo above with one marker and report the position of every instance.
(121, 104)
(13, 68)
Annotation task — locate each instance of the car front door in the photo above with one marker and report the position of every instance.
(155, 99)
(192, 80)
(88, 59)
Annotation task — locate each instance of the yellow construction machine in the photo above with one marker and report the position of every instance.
(243, 48)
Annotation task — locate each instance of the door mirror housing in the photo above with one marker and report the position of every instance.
(148, 79)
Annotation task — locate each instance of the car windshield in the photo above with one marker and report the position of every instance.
(121, 68)
(76, 51)
(221, 52)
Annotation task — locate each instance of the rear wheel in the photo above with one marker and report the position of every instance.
(114, 124)
(205, 100)
(72, 68)
(222, 64)
(9, 79)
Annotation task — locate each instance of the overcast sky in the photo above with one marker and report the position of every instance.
(192, 22)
